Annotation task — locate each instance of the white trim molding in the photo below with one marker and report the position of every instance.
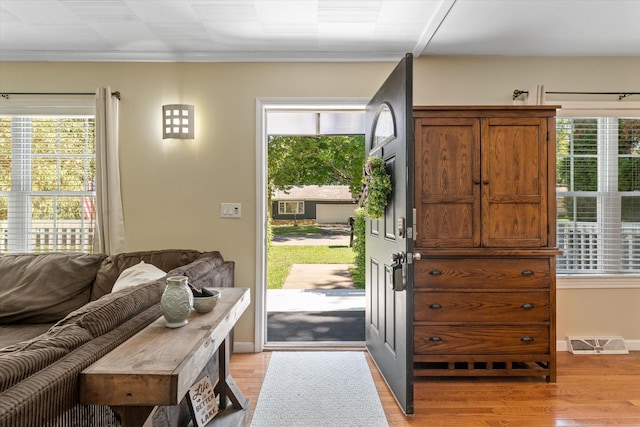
(604, 281)
(262, 106)
(244, 347)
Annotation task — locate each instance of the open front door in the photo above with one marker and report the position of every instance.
(389, 240)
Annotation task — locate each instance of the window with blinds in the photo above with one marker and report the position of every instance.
(47, 175)
(598, 195)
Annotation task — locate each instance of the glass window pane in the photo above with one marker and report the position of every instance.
(565, 208)
(42, 208)
(631, 210)
(69, 208)
(585, 136)
(44, 174)
(586, 209)
(563, 173)
(72, 172)
(4, 209)
(629, 136)
(585, 174)
(629, 174)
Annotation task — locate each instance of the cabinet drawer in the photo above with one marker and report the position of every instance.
(481, 340)
(482, 273)
(511, 307)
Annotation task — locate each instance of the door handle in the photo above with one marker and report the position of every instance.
(397, 273)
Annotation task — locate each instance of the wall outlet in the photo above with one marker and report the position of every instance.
(230, 210)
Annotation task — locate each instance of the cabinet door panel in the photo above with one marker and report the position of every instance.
(447, 161)
(514, 182)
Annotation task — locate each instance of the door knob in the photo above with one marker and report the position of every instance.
(416, 256)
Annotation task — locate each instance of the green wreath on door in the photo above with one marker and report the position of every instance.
(376, 190)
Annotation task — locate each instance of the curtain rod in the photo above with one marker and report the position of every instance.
(621, 94)
(5, 95)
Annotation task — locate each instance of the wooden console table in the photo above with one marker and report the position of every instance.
(158, 365)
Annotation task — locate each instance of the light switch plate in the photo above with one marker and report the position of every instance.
(230, 210)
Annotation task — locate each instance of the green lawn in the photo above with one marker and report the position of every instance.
(300, 230)
(281, 258)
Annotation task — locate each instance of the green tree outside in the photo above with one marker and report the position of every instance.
(62, 160)
(315, 160)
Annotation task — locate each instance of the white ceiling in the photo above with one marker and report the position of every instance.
(313, 30)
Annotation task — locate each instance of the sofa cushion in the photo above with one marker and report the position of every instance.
(100, 316)
(112, 266)
(18, 332)
(42, 288)
(210, 270)
(21, 360)
(137, 275)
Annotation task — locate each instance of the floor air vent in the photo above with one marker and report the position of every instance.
(597, 345)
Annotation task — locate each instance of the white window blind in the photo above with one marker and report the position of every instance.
(47, 175)
(598, 193)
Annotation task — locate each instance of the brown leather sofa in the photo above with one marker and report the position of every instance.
(58, 316)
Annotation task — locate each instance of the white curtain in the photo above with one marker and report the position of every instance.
(536, 95)
(109, 235)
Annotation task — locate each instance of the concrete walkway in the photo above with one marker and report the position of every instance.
(290, 300)
(319, 276)
(317, 287)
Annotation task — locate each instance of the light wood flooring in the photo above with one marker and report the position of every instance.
(592, 390)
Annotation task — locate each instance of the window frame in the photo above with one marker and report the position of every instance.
(603, 110)
(20, 233)
(283, 203)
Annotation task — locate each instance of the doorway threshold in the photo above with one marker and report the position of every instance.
(315, 345)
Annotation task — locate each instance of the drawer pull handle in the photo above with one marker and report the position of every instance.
(435, 272)
(435, 305)
(527, 273)
(527, 306)
(526, 339)
(435, 338)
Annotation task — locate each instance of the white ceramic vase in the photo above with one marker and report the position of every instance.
(176, 302)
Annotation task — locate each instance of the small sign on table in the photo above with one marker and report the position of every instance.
(202, 401)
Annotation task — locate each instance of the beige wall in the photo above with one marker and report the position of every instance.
(172, 190)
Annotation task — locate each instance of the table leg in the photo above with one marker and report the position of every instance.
(228, 387)
(133, 416)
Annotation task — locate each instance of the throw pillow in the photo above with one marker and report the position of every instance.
(43, 288)
(137, 275)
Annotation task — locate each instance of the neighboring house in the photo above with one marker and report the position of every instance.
(327, 204)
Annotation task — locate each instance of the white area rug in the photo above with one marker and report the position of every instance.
(318, 388)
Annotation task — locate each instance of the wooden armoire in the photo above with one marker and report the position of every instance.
(484, 286)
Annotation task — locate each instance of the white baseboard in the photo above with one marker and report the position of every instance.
(561, 345)
(632, 345)
(243, 347)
